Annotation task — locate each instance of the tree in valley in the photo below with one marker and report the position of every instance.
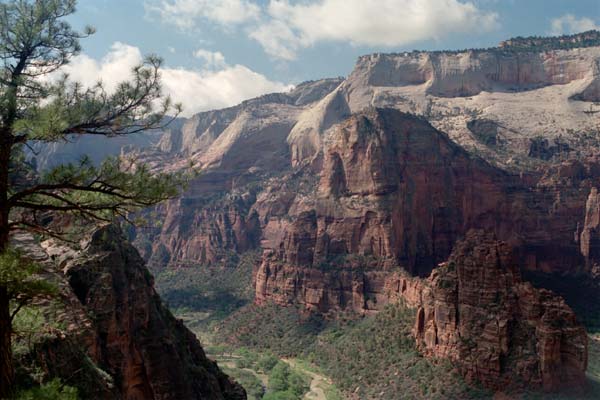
(35, 42)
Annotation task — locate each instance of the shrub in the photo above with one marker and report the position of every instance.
(53, 390)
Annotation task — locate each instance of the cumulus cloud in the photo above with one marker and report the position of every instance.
(110, 70)
(214, 86)
(366, 22)
(185, 14)
(212, 59)
(569, 23)
(284, 27)
(206, 90)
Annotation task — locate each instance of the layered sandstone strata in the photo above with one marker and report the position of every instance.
(115, 339)
(477, 311)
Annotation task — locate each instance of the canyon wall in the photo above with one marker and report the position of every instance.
(461, 74)
(477, 311)
(115, 339)
(357, 190)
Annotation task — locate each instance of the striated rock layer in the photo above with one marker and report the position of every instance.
(478, 312)
(120, 341)
(521, 109)
(347, 185)
(395, 192)
(395, 196)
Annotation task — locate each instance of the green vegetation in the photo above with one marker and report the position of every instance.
(284, 331)
(375, 354)
(248, 379)
(594, 358)
(201, 295)
(564, 42)
(22, 282)
(531, 44)
(53, 390)
(285, 383)
(263, 375)
(35, 41)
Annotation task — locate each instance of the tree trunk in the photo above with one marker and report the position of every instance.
(7, 373)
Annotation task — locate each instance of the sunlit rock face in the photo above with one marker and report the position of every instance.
(356, 190)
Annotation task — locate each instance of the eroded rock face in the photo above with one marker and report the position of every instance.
(471, 72)
(345, 199)
(396, 196)
(118, 328)
(477, 311)
(519, 90)
(395, 192)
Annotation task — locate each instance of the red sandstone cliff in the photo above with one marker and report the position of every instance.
(499, 330)
(396, 195)
(345, 199)
(115, 339)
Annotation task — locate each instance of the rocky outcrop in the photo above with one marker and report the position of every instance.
(119, 340)
(207, 135)
(372, 181)
(522, 114)
(194, 232)
(396, 196)
(472, 72)
(520, 90)
(398, 193)
(499, 330)
(590, 234)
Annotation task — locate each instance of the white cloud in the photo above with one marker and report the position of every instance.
(366, 22)
(569, 23)
(206, 90)
(283, 27)
(219, 86)
(185, 14)
(111, 70)
(212, 59)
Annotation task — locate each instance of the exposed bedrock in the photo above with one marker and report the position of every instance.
(119, 341)
(501, 331)
(399, 193)
(456, 74)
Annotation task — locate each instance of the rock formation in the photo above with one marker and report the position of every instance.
(119, 341)
(477, 311)
(397, 195)
(350, 185)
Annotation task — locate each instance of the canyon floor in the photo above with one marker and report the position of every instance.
(217, 306)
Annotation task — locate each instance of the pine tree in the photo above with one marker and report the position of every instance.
(35, 41)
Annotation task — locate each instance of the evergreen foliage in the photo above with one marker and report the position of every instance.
(36, 41)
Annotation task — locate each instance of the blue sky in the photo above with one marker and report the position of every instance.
(219, 52)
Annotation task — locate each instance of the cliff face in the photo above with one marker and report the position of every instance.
(120, 342)
(478, 312)
(347, 193)
(470, 73)
(519, 110)
(524, 94)
(398, 193)
(238, 149)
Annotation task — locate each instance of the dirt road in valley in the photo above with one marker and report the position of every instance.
(317, 383)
